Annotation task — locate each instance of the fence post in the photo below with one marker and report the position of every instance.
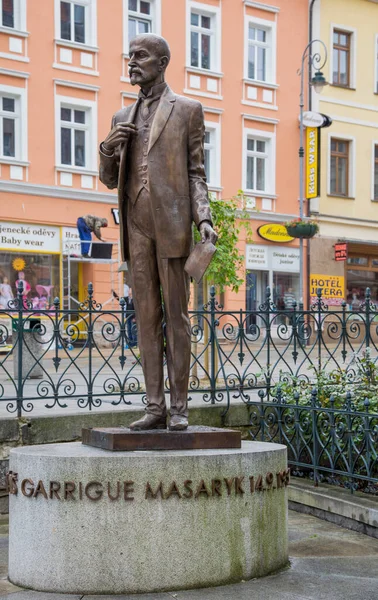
(266, 309)
(319, 318)
(213, 376)
(367, 317)
(314, 420)
(20, 328)
(90, 344)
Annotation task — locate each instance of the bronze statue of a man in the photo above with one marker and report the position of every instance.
(154, 155)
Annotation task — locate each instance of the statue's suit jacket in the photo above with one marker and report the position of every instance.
(176, 175)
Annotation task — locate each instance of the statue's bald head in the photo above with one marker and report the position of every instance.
(157, 44)
(149, 58)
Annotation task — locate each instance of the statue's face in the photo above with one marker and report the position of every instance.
(145, 64)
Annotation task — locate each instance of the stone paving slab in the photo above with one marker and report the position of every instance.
(327, 563)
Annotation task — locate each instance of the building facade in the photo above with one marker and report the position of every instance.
(63, 73)
(347, 208)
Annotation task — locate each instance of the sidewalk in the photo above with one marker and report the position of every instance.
(327, 563)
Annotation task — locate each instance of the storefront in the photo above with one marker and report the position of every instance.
(274, 266)
(343, 278)
(33, 254)
(361, 273)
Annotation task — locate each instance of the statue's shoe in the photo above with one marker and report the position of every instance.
(149, 422)
(178, 423)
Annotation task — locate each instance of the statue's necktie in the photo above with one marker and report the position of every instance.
(146, 107)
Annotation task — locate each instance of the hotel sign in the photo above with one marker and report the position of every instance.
(332, 287)
(312, 162)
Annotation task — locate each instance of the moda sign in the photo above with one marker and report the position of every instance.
(274, 232)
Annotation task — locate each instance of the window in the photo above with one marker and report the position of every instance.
(376, 172)
(260, 53)
(8, 126)
(75, 21)
(13, 14)
(140, 17)
(212, 154)
(376, 65)
(13, 124)
(257, 52)
(74, 131)
(72, 22)
(341, 58)
(257, 158)
(201, 40)
(7, 13)
(41, 276)
(339, 167)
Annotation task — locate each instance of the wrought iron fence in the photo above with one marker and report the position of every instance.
(310, 377)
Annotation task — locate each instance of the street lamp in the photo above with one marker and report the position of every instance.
(318, 82)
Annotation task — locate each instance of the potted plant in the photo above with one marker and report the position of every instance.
(300, 228)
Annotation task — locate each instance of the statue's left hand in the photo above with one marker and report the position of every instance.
(207, 233)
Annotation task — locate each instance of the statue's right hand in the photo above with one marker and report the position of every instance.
(119, 135)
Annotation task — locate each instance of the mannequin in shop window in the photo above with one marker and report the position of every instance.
(26, 285)
(6, 294)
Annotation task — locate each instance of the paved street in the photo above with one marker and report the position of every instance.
(327, 563)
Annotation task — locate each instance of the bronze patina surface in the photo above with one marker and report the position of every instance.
(154, 155)
(192, 438)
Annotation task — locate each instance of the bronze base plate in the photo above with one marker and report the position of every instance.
(193, 438)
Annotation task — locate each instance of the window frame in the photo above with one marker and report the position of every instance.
(374, 179)
(90, 128)
(155, 18)
(352, 32)
(338, 155)
(21, 127)
(340, 48)
(271, 54)
(351, 163)
(215, 170)
(214, 12)
(270, 168)
(90, 24)
(19, 10)
(376, 65)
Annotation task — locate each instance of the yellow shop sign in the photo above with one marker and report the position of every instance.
(312, 162)
(274, 232)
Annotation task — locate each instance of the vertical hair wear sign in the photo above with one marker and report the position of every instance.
(312, 162)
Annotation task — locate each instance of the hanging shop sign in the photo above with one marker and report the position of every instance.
(315, 119)
(115, 213)
(341, 251)
(70, 241)
(274, 232)
(332, 287)
(312, 162)
(272, 258)
(29, 238)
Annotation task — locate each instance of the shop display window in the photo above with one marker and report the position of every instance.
(285, 290)
(39, 272)
(357, 282)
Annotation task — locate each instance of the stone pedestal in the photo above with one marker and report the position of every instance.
(86, 521)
